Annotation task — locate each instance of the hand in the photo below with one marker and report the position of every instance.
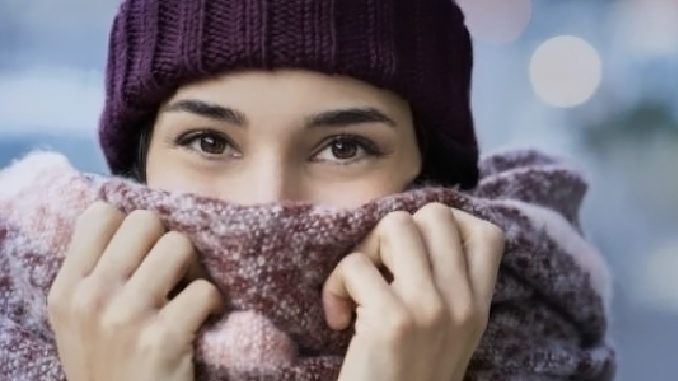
(109, 307)
(426, 324)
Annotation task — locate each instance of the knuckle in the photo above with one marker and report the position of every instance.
(398, 327)
(179, 243)
(493, 232)
(143, 215)
(99, 207)
(147, 220)
(114, 321)
(434, 210)
(485, 228)
(96, 211)
(396, 219)
(485, 232)
(434, 316)
(85, 301)
(353, 260)
(205, 289)
(392, 225)
(468, 317)
(153, 339)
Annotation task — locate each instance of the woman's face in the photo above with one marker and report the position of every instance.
(287, 135)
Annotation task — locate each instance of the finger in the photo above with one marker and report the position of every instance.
(444, 245)
(191, 308)
(397, 243)
(484, 243)
(136, 237)
(195, 271)
(92, 232)
(165, 265)
(355, 280)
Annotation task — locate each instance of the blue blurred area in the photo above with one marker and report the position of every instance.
(83, 152)
(625, 137)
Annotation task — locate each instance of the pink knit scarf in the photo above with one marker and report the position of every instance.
(548, 320)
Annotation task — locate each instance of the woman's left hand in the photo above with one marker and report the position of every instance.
(426, 324)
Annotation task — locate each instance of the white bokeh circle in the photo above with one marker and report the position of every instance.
(565, 71)
(496, 21)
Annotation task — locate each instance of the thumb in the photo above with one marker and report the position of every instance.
(337, 304)
(337, 301)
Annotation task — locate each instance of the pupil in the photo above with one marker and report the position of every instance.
(211, 145)
(343, 149)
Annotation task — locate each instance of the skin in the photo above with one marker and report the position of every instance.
(285, 147)
(256, 137)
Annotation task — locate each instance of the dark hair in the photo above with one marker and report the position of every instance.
(439, 167)
(137, 171)
(442, 165)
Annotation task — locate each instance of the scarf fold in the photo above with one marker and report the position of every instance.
(548, 318)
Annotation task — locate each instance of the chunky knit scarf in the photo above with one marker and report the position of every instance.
(548, 320)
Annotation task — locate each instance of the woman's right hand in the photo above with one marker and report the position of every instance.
(109, 306)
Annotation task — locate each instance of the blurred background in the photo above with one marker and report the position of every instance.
(593, 81)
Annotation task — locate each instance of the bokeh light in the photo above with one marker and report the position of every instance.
(565, 71)
(496, 21)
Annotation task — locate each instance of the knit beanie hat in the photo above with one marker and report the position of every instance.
(419, 49)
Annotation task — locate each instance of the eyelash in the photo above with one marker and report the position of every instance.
(369, 147)
(189, 138)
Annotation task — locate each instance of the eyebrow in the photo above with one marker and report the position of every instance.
(330, 118)
(347, 117)
(208, 110)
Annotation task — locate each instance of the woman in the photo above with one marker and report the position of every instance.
(328, 102)
(244, 127)
(256, 136)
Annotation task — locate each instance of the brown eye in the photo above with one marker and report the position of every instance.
(347, 149)
(212, 145)
(344, 149)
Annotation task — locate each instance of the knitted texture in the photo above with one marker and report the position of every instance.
(548, 318)
(420, 50)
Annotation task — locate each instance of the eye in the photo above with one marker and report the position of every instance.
(347, 149)
(208, 143)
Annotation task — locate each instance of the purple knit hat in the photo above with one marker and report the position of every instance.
(419, 49)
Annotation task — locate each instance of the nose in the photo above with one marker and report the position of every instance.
(270, 181)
